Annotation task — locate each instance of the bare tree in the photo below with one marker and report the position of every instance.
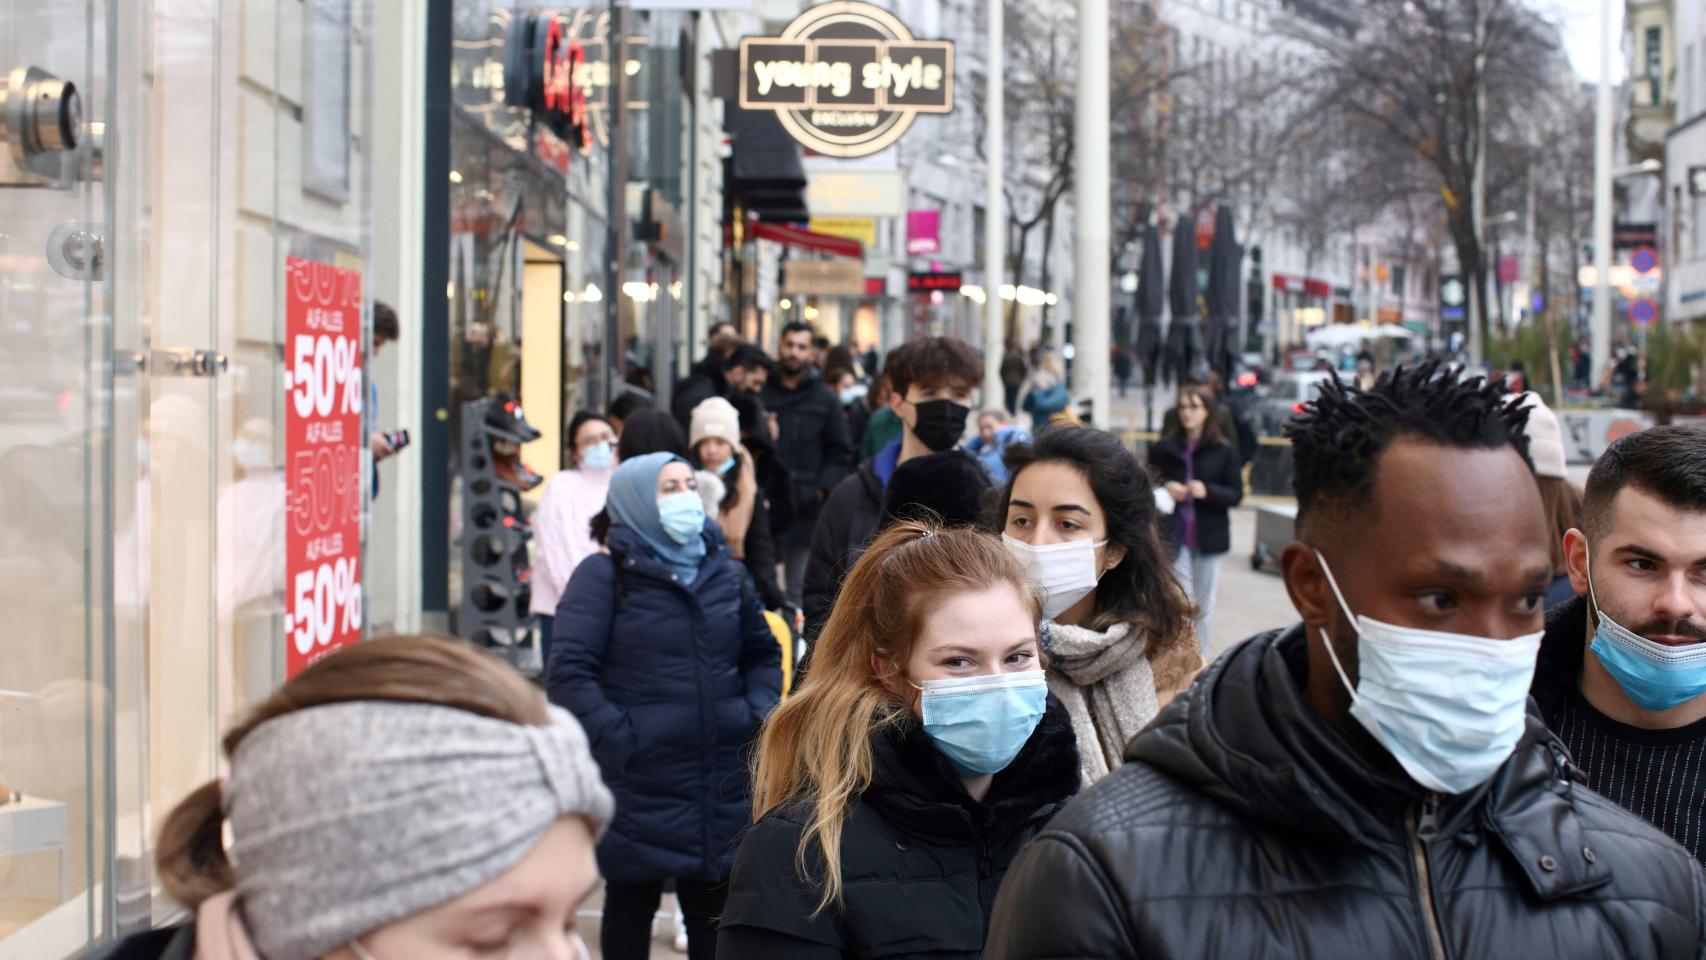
(1448, 83)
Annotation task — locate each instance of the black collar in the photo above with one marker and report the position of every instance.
(915, 788)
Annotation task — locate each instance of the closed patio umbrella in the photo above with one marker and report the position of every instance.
(1184, 351)
(1225, 263)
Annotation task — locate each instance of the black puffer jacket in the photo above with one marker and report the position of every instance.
(1242, 826)
(849, 520)
(920, 860)
(813, 443)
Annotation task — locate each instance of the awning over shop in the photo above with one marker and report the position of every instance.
(765, 174)
(806, 239)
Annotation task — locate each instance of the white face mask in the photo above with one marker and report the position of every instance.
(1067, 572)
(1449, 707)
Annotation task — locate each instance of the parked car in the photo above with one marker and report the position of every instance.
(1286, 397)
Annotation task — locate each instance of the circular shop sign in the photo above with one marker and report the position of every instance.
(846, 79)
(1452, 292)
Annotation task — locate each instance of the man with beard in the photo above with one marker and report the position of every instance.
(812, 442)
(930, 389)
(1622, 675)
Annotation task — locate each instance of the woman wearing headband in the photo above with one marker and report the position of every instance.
(892, 791)
(1079, 513)
(404, 799)
(663, 653)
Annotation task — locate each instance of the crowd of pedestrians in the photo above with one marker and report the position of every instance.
(1004, 740)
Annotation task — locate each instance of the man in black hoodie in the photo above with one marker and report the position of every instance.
(1368, 783)
(729, 366)
(811, 440)
(930, 389)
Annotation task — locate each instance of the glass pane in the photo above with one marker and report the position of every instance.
(55, 693)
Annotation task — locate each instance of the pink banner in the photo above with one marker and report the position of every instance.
(924, 231)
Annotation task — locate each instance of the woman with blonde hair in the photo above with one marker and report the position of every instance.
(893, 790)
(403, 798)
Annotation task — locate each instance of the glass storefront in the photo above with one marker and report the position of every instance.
(147, 220)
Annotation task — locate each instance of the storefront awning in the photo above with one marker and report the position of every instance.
(765, 173)
(806, 239)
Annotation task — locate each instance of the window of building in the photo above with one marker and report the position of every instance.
(1655, 64)
(1398, 282)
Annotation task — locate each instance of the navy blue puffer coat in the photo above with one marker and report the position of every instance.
(671, 682)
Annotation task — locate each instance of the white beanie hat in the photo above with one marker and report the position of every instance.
(1545, 437)
(714, 417)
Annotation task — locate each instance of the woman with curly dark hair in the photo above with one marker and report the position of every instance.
(1079, 512)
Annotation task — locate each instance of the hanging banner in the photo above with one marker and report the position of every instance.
(924, 231)
(324, 392)
(846, 78)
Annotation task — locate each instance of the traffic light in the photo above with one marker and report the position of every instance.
(495, 532)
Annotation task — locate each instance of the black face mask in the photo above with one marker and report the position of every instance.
(940, 424)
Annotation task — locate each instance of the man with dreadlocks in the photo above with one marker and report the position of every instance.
(1369, 782)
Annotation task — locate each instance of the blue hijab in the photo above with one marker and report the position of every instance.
(633, 503)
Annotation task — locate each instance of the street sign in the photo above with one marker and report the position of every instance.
(1643, 312)
(1644, 259)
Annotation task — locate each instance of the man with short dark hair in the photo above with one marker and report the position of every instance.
(1622, 675)
(1370, 782)
(811, 441)
(930, 389)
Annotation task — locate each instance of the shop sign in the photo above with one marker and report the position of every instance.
(872, 193)
(323, 444)
(933, 281)
(828, 278)
(542, 68)
(1628, 236)
(862, 229)
(924, 231)
(1288, 284)
(1453, 294)
(876, 286)
(846, 78)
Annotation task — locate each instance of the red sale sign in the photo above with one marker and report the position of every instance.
(322, 450)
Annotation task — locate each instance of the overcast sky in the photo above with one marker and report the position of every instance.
(1580, 22)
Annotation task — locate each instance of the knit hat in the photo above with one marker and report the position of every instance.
(714, 417)
(1545, 437)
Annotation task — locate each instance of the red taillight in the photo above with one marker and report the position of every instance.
(1246, 379)
(1299, 407)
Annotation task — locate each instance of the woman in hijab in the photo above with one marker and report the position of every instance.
(662, 652)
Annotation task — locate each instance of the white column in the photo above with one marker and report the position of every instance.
(1091, 238)
(995, 209)
(1600, 331)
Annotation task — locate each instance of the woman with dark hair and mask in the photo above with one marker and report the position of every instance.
(1079, 512)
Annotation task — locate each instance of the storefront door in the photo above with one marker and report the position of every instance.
(163, 162)
(58, 442)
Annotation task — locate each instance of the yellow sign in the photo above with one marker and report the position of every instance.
(862, 229)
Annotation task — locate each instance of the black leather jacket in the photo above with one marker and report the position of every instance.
(1242, 826)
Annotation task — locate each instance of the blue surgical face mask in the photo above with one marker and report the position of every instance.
(682, 515)
(599, 456)
(726, 465)
(981, 723)
(848, 395)
(1449, 707)
(1656, 677)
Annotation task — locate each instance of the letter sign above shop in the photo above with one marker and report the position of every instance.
(541, 65)
(846, 79)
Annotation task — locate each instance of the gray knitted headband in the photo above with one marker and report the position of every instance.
(349, 816)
